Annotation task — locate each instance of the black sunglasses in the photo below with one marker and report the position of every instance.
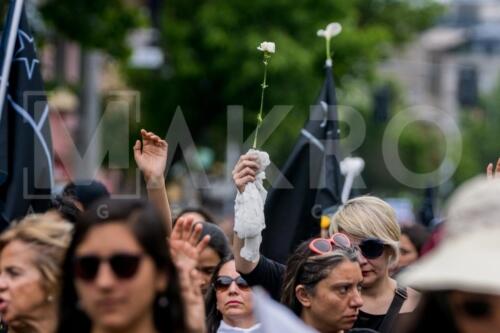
(123, 265)
(222, 283)
(371, 248)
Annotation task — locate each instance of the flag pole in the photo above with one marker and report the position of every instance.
(9, 51)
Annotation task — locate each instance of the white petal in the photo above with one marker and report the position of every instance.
(321, 33)
(333, 29)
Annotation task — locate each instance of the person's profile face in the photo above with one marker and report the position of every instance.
(372, 269)
(207, 263)
(21, 292)
(408, 252)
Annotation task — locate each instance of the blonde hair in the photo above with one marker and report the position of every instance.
(368, 217)
(49, 235)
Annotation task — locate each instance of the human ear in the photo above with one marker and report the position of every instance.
(161, 282)
(303, 296)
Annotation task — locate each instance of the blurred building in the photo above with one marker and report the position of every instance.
(450, 65)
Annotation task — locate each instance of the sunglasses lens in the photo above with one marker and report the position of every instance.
(321, 246)
(241, 283)
(371, 248)
(124, 265)
(86, 267)
(341, 240)
(478, 309)
(222, 283)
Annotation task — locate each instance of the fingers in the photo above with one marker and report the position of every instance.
(152, 138)
(489, 171)
(195, 234)
(187, 228)
(137, 150)
(245, 171)
(177, 230)
(246, 161)
(203, 244)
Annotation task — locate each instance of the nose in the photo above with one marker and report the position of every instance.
(233, 288)
(3, 282)
(356, 300)
(105, 277)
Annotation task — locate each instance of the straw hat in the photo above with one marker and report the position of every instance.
(468, 257)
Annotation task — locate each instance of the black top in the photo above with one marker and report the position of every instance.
(384, 323)
(269, 274)
(367, 320)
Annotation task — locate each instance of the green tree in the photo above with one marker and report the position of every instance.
(94, 24)
(213, 61)
(481, 136)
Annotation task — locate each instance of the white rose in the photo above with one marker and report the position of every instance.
(332, 30)
(269, 47)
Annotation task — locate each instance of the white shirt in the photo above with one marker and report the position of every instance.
(225, 328)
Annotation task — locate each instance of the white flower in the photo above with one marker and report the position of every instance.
(332, 30)
(269, 47)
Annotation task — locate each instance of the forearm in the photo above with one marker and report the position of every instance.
(157, 195)
(242, 265)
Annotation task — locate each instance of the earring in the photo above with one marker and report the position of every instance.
(50, 298)
(163, 302)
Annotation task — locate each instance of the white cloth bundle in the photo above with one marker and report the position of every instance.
(249, 218)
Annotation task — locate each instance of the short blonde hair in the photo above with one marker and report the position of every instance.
(49, 235)
(369, 216)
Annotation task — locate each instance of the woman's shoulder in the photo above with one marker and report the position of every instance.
(411, 302)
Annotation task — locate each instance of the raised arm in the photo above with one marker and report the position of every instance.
(243, 173)
(151, 158)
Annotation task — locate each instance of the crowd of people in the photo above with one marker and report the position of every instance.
(95, 264)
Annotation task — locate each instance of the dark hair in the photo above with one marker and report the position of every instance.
(433, 314)
(66, 208)
(213, 315)
(198, 210)
(149, 230)
(307, 268)
(85, 191)
(417, 234)
(218, 240)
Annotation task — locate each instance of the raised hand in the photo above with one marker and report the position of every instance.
(490, 173)
(151, 155)
(185, 248)
(245, 171)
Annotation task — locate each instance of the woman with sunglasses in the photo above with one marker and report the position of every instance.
(229, 302)
(119, 276)
(370, 224)
(31, 253)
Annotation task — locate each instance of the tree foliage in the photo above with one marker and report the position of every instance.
(481, 134)
(213, 61)
(94, 24)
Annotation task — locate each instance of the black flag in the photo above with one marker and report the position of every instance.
(25, 145)
(310, 183)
